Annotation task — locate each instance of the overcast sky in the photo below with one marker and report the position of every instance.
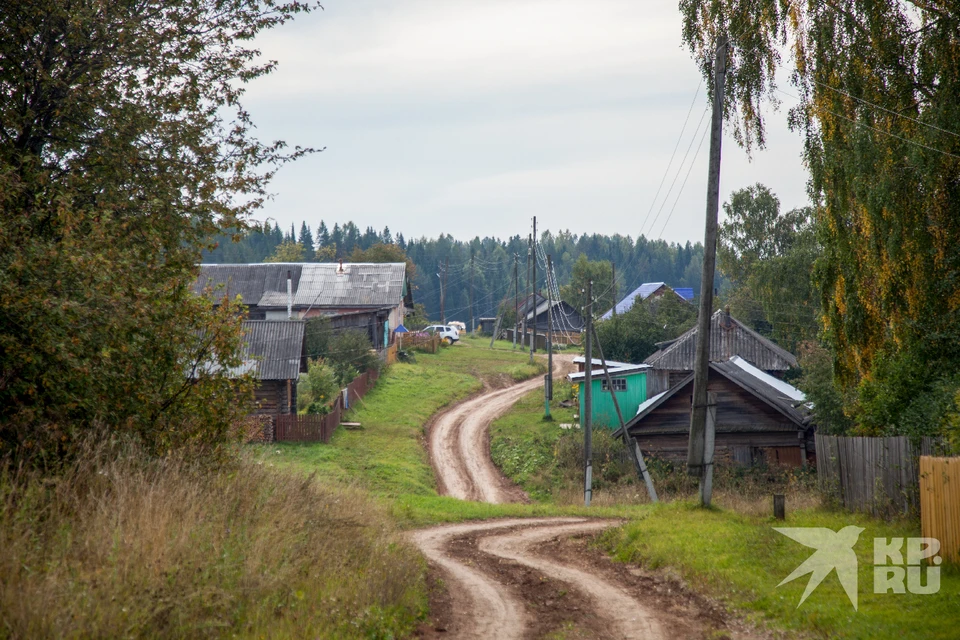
(468, 118)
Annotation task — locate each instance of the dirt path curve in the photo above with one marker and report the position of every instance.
(624, 616)
(485, 608)
(460, 443)
(489, 600)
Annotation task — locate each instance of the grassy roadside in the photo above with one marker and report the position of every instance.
(731, 552)
(741, 560)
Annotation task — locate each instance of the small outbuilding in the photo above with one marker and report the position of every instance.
(759, 418)
(632, 385)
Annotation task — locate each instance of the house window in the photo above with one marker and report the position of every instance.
(619, 384)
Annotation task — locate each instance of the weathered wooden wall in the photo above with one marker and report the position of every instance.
(878, 475)
(940, 503)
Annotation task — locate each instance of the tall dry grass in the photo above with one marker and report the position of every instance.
(122, 545)
(747, 490)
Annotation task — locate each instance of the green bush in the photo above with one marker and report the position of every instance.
(317, 389)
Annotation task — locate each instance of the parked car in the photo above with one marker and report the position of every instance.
(446, 332)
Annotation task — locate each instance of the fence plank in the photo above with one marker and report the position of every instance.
(940, 503)
(879, 475)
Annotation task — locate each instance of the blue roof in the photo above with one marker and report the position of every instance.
(643, 292)
(685, 292)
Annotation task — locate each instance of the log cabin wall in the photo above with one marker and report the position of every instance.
(748, 430)
(270, 398)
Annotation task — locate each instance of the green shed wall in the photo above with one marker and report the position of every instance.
(604, 413)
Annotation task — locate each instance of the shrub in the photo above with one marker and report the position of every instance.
(317, 389)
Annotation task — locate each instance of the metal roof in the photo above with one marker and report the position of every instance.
(274, 347)
(774, 396)
(354, 284)
(323, 284)
(615, 372)
(728, 337)
(642, 292)
(249, 281)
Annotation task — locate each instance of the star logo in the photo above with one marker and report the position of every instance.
(834, 552)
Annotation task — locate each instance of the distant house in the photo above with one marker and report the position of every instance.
(632, 385)
(274, 351)
(535, 308)
(370, 296)
(647, 290)
(759, 418)
(728, 337)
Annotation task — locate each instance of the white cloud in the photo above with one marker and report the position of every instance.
(470, 118)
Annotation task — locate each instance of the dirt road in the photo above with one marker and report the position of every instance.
(460, 442)
(530, 578)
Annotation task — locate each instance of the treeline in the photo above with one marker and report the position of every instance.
(486, 265)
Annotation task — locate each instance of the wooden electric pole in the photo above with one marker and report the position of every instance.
(633, 449)
(548, 381)
(516, 298)
(473, 327)
(699, 460)
(533, 339)
(586, 419)
(613, 285)
(526, 302)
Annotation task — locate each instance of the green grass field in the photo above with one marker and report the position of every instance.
(741, 560)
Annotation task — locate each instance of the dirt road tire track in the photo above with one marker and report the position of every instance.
(459, 442)
(624, 615)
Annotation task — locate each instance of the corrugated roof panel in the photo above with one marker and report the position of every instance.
(250, 281)
(728, 337)
(276, 346)
(357, 285)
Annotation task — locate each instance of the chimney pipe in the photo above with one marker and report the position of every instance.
(289, 295)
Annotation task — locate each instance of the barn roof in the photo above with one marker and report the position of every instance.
(777, 394)
(249, 281)
(273, 348)
(728, 337)
(315, 284)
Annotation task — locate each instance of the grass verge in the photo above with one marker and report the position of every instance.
(741, 560)
(125, 545)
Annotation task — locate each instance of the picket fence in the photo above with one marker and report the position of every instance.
(316, 428)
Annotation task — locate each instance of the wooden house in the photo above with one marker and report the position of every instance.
(728, 337)
(759, 418)
(275, 351)
(371, 296)
(632, 385)
(536, 310)
(644, 291)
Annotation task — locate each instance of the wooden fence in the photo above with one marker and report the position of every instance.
(541, 338)
(879, 475)
(390, 354)
(940, 503)
(317, 428)
(428, 343)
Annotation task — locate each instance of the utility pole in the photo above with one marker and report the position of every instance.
(613, 286)
(633, 449)
(699, 459)
(548, 382)
(533, 338)
(516, 298)
(443, 291)
(473, 327)
(587, 419)
(526, 302)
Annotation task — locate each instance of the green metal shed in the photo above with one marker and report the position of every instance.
(629, 385)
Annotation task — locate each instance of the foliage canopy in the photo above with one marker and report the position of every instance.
(123, 146)
(879, 102)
